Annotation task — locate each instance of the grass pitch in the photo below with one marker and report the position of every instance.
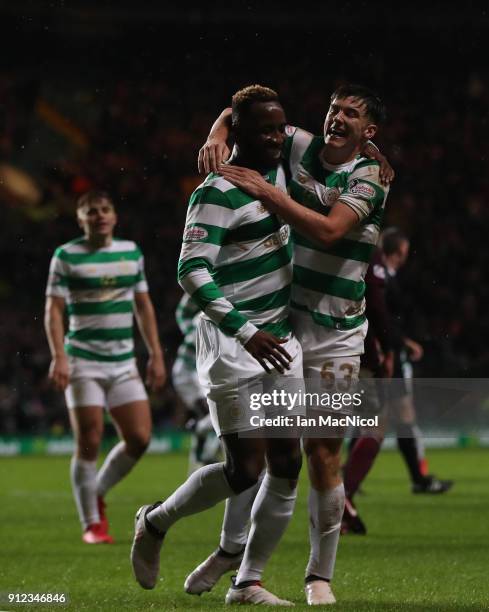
(421, 553)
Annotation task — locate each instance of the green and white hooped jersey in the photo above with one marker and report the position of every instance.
(235, 260)
(98, 286)
(329, 282)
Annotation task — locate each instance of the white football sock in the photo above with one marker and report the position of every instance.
(83, 482)
(418, 436)
(116, 465)
(270, 515)
(202, 489)
(325, 513)
(234, 532)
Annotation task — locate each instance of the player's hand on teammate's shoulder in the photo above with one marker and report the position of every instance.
(386, 171)
(156, 374)
(59, 373)
(266, 347)
(211, 154)
(250, 181)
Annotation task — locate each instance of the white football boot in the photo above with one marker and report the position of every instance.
(206, 575)
(145, 551)
(254, 594)
(319, 593)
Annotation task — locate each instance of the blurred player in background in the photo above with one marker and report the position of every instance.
(205, 446)
(99, 282)
(385, 306)
(377, 362)
(395, 251)
(336, 210)
(236, 264)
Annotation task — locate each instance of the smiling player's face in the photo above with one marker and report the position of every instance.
(347, 124)
(261, 134)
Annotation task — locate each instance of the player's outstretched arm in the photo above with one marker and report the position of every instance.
(324, 230)
(145, 315)
(215, 150)
(55, 331)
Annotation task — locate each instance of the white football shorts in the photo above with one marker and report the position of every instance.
(225, 369)
(106, 384)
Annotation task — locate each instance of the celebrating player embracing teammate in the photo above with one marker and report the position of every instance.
(335, 207)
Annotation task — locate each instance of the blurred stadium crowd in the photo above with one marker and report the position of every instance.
(130, 117)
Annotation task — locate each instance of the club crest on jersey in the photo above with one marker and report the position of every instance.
(327, 195)
(195, 233)
(360, 188)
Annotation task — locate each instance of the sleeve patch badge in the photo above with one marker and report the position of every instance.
(195, 233)
(359, 188)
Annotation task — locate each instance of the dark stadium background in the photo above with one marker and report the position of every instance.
(121, 96)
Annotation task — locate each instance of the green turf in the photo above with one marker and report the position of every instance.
(422, 552)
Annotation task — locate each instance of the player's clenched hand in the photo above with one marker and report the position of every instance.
(386, 172)
(415, 349)
(213, 153)
(264, 347)
(59, 373)
(156, 373)
(248, 180)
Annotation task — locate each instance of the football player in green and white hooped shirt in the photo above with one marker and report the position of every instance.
(99, 282)
(335, 209)
(236, 265)
(205, 447)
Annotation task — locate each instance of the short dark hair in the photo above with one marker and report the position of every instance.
(374, 105)
(90, 197)
(244, 98)
(392, 237)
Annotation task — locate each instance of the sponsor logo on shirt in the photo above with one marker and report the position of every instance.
(280, 238)
(359, 188)
(195, 233)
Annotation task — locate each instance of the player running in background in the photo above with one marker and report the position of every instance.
(205, 446)
(335, 207)
(236, 265)
(99, 282)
